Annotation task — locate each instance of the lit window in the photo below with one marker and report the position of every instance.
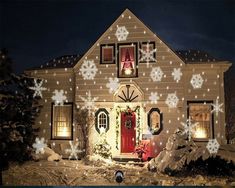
(62, 122)
(127, 60)
(102, 120)
(107, 53)
(200, 113)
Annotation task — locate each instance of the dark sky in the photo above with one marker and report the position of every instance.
(36, 31)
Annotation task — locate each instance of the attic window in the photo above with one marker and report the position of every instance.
(147, 47)
(127, 60)
(107, 54)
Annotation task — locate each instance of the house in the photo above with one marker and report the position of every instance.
(137, 88)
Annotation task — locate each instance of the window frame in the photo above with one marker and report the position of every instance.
(97, 113)
(119, 46)
(101, 53)
(212, 131)
(141, 46)
(155, 132)
(52, 120)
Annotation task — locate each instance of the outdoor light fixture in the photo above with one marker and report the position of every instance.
(119, 176)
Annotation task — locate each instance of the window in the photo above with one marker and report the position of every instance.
(127, 60)
(102, 120)
(200, 112)
(62, 122)
(107, 54)
(155, 121)
(147, 46)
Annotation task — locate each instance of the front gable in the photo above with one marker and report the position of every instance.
(128, 32)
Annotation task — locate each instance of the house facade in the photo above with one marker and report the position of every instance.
(136, 87)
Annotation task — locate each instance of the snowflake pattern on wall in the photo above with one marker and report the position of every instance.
(59, 97)
(172, 100)
(156, 74)
(89, 102)
(37, 88)
(212, 146)
(147, 55)
(73, 151)
(121, 33)
(196, 81)
(176, 74)
(113, 84)
(88, 70)
(39, 145)
(189, 128)
(217, 107)
(154, 97)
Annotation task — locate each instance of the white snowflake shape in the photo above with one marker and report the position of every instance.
(147, 55)
(121, 33)
(89, 102)
(154, 97)
(189, 128)
(113, 84)
(217, 107)
(196, 81)
(37, 88)
(73, 150)
(39, 145)
(172, 100)
(88, 69)
(176, 74)
(213, 146)
(156, 74)
(59, 97)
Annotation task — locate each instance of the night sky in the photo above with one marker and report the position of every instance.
(35, 32)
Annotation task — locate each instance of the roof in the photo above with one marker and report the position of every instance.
(192, 56)
(66, 61)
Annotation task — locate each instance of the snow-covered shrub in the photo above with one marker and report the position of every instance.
(102, 147)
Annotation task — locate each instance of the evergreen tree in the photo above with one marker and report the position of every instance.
(18, 110)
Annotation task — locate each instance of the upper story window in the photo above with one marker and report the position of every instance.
(200, 112)
(107, 53)
(127, 60)
(102, 120)
(148, 48)
(62, 117)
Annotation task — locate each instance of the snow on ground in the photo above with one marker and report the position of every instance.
(75, 173)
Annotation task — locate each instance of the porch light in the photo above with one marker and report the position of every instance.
(200, 133)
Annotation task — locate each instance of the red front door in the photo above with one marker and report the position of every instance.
(128, 123)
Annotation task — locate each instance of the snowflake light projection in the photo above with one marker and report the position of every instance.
(121, 33)
(176, 74)
(212, 146)
(39, 145)
(217, 107)
(113, 84)
(156, 74)
(172, 100)
(89, 102)
(147, 55)
(73, 151)
(196, 81)
(37, 88)
(88, 69)
(189, 128)
(154, 97)
(59, 97)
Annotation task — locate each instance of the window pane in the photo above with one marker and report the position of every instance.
(200, 113)
(62, 122)
(108, 54)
